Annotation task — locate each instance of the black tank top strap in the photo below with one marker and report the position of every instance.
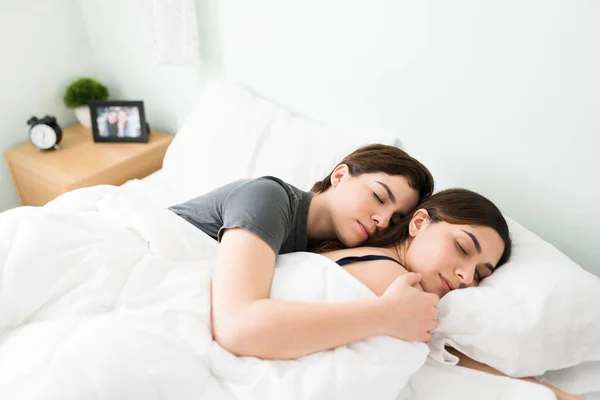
(370, 257)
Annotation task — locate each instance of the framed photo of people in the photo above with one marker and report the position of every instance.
(118, 121)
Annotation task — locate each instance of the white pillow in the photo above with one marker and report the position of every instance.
(301, 151)
(216, 143)
(232, 134)
(538, 312)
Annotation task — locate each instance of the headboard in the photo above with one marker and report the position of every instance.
(499, 97)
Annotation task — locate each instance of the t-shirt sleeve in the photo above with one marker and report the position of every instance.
(261, 206)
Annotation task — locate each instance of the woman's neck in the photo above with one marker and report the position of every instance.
(320, 225)
(400, 251)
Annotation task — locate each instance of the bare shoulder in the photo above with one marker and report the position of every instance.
(377, 275)
(355, 252)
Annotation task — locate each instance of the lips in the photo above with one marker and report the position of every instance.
(364, 229)
(447, 284)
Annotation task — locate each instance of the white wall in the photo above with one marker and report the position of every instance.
(44, 46)
(499, 96)
(122, 41)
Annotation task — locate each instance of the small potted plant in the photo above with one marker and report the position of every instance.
(79, 93)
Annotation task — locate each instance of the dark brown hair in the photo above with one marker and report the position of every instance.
(455, 206)
(389, 160)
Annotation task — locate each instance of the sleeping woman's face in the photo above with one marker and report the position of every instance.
(450, 256)
(366, 203)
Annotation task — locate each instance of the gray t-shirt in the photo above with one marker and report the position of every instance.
(268, 207)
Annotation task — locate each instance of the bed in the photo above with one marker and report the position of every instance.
(451, 382)
(104, 293)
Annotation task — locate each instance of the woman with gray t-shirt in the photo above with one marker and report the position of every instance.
(257, 219)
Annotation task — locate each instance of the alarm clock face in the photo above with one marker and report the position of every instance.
(42, 136)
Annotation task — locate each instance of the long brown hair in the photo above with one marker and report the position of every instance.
(455, 206)
(389, 160)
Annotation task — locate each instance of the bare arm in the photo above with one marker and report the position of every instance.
(247, 323)
(467, 362)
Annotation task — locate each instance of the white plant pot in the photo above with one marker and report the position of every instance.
(83, 116)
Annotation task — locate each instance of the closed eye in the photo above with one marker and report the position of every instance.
(378, 198)
(461, 249)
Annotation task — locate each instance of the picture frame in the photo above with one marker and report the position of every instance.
(119, 121)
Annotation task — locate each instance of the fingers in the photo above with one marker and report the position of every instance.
(410, 279)
(434, 325)
(430, 300)
(434, 297)
(426, 336)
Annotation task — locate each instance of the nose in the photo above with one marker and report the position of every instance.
(382, 219)
(466, 274)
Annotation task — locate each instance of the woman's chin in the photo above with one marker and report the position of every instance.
(432, 289)
(351, 241)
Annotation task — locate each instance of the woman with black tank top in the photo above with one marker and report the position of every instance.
(454, 239)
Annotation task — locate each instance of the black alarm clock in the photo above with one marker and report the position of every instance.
(45, 133)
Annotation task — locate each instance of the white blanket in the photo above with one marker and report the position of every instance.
(106, 296)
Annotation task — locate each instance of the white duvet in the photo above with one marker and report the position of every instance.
(106, 296)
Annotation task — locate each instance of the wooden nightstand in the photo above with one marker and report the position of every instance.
(40, 176)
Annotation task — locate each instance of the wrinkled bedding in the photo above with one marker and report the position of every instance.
(105, 295)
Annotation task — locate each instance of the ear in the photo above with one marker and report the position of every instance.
(419, 220)
(340, 173)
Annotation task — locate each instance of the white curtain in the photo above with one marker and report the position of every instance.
(175, 32)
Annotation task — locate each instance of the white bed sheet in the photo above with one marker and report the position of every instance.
(159, 189)
(115, 303)
(433, 381)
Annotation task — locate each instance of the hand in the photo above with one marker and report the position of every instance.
(560, 395)
(408, 312)
(566, 396)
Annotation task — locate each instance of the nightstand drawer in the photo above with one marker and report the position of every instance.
(138, 167)
(41, 176)
(32, 189)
